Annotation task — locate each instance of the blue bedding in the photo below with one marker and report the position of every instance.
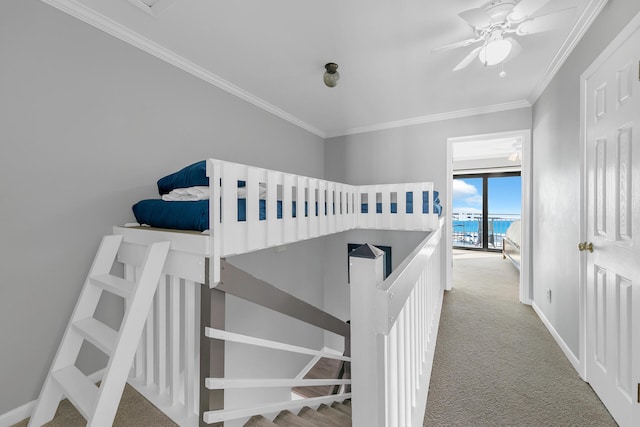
(189, 215)
(194, 215)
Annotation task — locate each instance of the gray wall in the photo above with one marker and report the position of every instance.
(556, 176)
(88, 125)
(410, 154)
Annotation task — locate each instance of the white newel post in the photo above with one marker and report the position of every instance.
(367, 347)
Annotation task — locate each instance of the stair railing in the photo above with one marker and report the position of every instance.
(213, 383)
(394, 328)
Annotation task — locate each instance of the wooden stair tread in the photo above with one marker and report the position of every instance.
(318, 418)
(335, 414)
(324, 368)
(289, 419)
(342, 408)
(259, 421)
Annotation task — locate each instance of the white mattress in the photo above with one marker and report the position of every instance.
(513, 232)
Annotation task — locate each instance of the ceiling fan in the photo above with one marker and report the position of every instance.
(495, 22)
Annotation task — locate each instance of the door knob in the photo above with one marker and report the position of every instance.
(584, 246)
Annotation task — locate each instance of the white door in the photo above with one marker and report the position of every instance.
(612, 275)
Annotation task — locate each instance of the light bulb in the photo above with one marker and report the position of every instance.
(495, 52)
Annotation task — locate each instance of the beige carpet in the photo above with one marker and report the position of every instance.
(495, 362)
(134, 411)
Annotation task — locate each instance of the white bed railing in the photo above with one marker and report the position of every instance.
(322, 207)
(394, 329)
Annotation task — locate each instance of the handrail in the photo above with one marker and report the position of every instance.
(246, 339)
(393, 293)
(241, 284)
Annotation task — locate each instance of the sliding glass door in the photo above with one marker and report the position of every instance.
(484, 205)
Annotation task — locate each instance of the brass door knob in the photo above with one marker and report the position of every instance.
(584, 246)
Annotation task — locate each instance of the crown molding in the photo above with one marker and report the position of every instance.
(101, 22)
(590, 13)
(487, 109)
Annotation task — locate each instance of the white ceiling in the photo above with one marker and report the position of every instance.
(272, 53)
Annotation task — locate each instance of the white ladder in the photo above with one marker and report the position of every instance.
(98, 405)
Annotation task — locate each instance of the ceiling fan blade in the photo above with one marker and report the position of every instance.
(463, 43)
(516, 49)
(545, 22)
(467, 60)
(477, 17)
(525, 9)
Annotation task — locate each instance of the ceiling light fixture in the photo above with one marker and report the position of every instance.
(495, 51)
(331, 75)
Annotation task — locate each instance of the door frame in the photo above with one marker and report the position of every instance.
(615, 44)
(525, 290)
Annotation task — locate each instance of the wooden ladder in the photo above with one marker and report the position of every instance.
(98, 405)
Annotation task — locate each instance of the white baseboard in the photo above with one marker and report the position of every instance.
(556, 336)
(23, 412)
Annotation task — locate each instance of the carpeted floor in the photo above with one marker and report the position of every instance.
(495, 362)
(134, 411)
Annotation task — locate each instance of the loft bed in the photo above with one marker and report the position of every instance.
(215, 209)
(511, 244)
(257, 207)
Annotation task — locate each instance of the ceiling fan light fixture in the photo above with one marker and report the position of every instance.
(331, 75)
(495, 52)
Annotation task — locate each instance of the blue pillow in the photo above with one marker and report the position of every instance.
(189, 176)
(175, 215)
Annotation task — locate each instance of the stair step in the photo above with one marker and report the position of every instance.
(113, 284)
(97, 333)
(78, 388)
(324, 368)
(317, 418)
(335, 414)
(289, 419)
(259, 421)
(342, 408)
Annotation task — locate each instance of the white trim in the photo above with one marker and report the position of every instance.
(97, 20)
(487, 109)
(627, 31)
(23, 412)
(589, 14)
(556, 336)
(525, 285)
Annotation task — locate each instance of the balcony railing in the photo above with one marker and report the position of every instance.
(467, 230)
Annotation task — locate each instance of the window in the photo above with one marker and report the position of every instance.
(484, 205)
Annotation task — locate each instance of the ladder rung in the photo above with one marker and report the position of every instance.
(97, 333)
(114, 284)
(78, 388)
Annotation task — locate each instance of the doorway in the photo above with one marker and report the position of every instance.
(487, 157)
